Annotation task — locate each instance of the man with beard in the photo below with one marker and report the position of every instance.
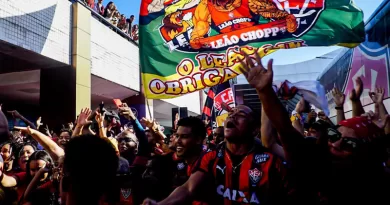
(172, 170)
(229, 15)
(240, 169)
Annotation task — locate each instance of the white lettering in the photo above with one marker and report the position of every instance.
(227, 194)
(233, 196)
(220, 189)
(182, 40)
(254, 199)
(267, 32)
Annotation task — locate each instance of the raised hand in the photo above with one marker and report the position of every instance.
(377, 95)
(357, 91)
(255, 73)
(338, 97)
(126, 112)
(82, 120)
(206, 121)
(39, 122)
(148, 122)
(374, 117)
(70, 125)
(99, 118)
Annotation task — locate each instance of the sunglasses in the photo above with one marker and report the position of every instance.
(347, 143)
(125, 139)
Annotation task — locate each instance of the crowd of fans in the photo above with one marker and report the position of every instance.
(112, 14)
(268, 158)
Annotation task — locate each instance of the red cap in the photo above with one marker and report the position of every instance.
(363, 127)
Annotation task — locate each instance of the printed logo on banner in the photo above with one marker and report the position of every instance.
(255, 176)
(226, 97)
(261, 158)
(180, 166)
(371, 65)
(244, 22)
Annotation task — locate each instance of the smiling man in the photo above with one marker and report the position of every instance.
(174, 169)
(240, 169)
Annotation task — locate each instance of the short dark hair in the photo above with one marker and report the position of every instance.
(90, 164)
(26, 144)
(197, 126)
(131, 16)
(39, 155)
(69, 131)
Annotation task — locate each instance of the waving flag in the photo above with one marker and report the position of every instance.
(188, 45)
(219, 99)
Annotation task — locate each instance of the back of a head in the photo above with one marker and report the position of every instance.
(90, 165)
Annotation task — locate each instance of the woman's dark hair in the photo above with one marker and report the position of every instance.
(12, 147)
(26, 144)
(105, 8)
(39, 155)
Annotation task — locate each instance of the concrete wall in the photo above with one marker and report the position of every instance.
(114, 57)
(191, 101)
(42, 26)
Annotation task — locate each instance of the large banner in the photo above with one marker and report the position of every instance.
(188, 45)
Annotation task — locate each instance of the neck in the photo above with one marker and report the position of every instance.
(239, 148)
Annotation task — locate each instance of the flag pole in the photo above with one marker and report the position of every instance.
(147, 103)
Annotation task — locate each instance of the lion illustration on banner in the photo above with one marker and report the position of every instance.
(229, 15)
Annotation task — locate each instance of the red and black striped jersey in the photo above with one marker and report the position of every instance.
(255, 178)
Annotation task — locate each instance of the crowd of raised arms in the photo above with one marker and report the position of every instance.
(270, 158)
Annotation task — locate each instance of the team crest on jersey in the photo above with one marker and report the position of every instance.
(260, 158)
(220, 154)
(126, 193)
(255, 176)
(180, 166)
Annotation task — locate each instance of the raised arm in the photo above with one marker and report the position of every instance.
(82, 120)
(261, 79)
(377, 97)
(16, 114)
(354, 96)
(48, 144)
(296, 117)
(339, 99)
(126, 112)
(268, 136)
(152, 125)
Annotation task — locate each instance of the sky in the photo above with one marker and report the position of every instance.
(282, 57)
